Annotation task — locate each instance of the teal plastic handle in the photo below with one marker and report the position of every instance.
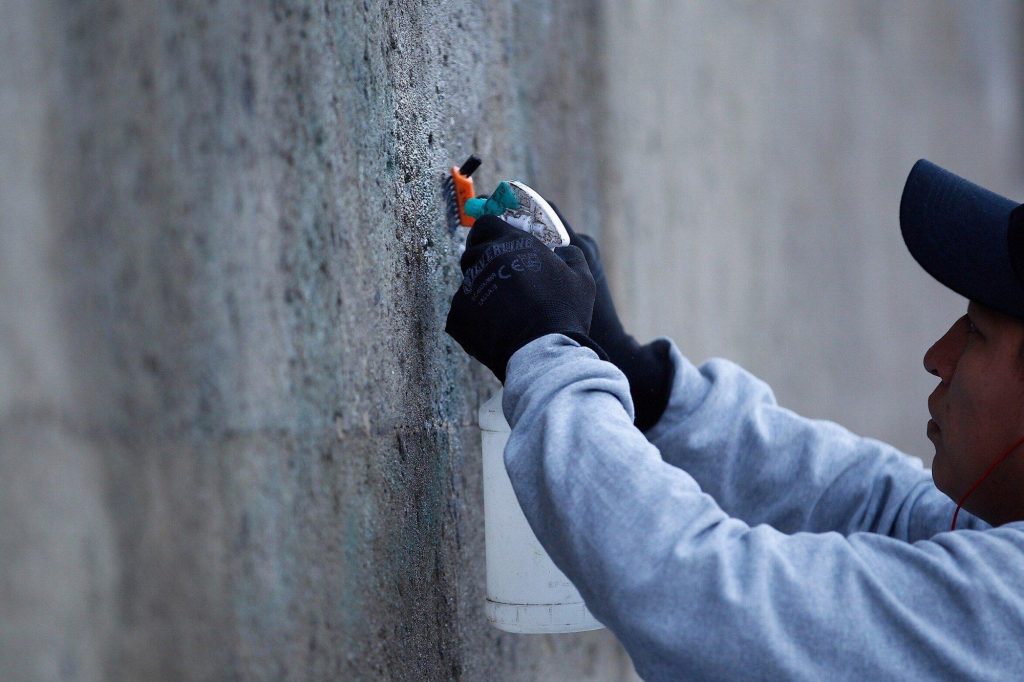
(500, 201)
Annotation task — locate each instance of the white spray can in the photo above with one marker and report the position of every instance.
(526, 592)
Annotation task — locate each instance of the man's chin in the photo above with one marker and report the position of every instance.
(939, 472)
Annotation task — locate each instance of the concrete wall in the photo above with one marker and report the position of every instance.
(234, 440)
(756, 156)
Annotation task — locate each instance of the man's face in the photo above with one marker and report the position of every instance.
(978, 411)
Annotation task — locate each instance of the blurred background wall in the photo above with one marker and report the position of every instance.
(234, 440)
(756, 153)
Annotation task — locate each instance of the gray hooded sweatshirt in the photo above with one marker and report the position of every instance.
(738, 540)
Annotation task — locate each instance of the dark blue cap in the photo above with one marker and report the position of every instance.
(965, 236)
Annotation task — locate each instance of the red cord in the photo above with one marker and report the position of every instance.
(983, 477)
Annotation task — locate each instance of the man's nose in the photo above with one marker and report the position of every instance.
(930, 360)
(942, 357)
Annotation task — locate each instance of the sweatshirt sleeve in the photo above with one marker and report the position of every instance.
(693, 593)
(764, 464)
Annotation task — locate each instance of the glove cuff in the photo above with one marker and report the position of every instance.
(650, 372)
(585, 340)
(582, 339)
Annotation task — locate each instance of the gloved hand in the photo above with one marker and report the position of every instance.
(647, 367)
(515, 290)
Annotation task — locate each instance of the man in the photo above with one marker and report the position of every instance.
(720, 536)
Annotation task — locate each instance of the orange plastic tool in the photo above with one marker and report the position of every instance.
(463, 190)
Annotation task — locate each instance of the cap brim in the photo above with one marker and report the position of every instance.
(957, 231)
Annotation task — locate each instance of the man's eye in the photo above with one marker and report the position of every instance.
(971, 329)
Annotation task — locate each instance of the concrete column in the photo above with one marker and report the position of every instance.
(234, 440)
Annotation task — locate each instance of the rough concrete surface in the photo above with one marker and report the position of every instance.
(234, 440)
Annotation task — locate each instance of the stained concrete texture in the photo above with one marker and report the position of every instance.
(756, 154)
(234, 440)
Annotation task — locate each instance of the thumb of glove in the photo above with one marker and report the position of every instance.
(576, 260)
(488, 228)
(585, 243)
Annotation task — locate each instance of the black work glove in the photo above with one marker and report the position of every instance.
(515, 290)
(647, 367)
